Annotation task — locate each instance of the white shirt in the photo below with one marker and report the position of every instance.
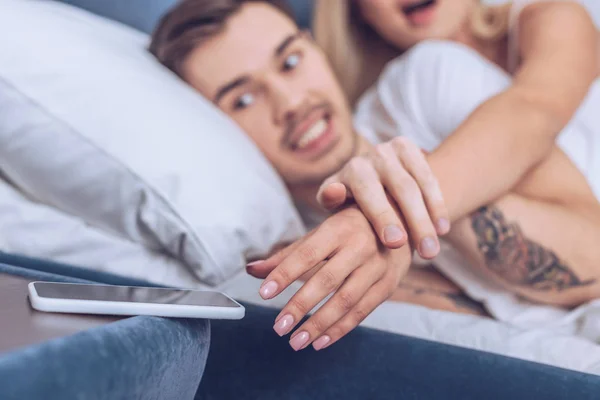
(425, 95)
(429, 91)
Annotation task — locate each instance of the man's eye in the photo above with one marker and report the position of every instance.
(291, 62)
(243, 101)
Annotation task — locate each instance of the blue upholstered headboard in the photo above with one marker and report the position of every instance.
(144, 14)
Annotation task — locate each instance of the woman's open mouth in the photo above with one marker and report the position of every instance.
(420, 12)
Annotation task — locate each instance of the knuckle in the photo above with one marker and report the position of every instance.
(299, 304)
(384, 151)
(284, 275)
(342, 328)
(361, 167)
(400, 142)
(388, 151)
(339, 226)
(317, 324)
(356, 164)
(388, 163)
(384, 215)
(406, 187)
(307, 254)
(359, 314)
(328, 281)
(359, 185)
(345, 301)
(336, 332)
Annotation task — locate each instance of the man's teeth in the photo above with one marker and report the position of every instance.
(312, 134)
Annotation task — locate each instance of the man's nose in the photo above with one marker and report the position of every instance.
(287, 101)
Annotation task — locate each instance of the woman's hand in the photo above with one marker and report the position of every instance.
(397, 173)
(342, 256)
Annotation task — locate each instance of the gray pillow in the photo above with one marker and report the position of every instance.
(144, 14)
(140, 14)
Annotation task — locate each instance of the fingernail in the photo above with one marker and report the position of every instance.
(299, 341)
(429, 247)
(392, 233)
(321, 342)
(254, 263)
(284, 325)
(443, 226)
(268, 290)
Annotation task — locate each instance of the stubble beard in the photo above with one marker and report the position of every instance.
(316, 181)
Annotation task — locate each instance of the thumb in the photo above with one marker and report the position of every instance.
(332, 195)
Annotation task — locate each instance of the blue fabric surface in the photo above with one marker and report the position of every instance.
(156, 358)
(36, 268)
(144, 14)
(135, 358)
(249, 361)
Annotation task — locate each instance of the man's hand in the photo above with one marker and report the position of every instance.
(394, 172)
(342, 256)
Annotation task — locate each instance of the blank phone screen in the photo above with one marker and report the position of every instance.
(131, 294)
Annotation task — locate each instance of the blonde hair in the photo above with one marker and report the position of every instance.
(358, 54)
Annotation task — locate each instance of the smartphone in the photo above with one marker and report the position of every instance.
(131, 300)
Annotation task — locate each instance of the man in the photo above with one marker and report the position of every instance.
(249, 58)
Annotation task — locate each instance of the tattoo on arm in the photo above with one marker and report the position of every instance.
(515, 258)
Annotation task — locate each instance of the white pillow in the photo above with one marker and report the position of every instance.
(41, 231)
(90, 123)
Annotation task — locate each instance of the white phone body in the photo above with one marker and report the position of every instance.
(130, 300)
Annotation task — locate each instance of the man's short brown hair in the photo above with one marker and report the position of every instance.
(191, 22)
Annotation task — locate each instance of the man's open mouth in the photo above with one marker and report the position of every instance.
(313, 133)
(417, 6)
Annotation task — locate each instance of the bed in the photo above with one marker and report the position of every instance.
(37, 228)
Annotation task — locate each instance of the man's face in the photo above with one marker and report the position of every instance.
(277, 85)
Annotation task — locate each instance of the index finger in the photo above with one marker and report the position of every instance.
(262, 268)
(316, 248)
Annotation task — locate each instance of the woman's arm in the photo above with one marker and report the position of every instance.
(514, 130)
(539, 241)
(558, 46)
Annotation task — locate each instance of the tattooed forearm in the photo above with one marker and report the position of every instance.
(515, 258)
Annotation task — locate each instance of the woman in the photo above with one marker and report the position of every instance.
(361, 36)
(551, 75)
(552, 71)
